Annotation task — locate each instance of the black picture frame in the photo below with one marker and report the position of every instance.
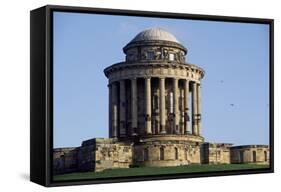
(41, 100)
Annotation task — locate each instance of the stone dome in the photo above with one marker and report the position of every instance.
(155, 34)
(155, 44)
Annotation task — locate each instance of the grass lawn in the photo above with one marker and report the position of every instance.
(143, 171)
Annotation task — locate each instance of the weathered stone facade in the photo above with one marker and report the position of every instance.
(93, 155)
(65, 160)
(154, 113)
(215, 153)
(259, 154)
(166, 150)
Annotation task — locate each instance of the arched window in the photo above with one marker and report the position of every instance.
(265, 156)
(176, 153)
(161, 153)
(145, 154)
(254, 156)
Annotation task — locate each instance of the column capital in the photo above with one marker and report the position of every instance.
(193, 83)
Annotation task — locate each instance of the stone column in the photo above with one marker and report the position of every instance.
(176, 105)
(162, 106)
(114, 110)
(186, 107)
(134, 106)
(194, 109)
(199, 109)
(122, 108)
(110, 109)
(148, 105)
(156, 109)
(182, 111)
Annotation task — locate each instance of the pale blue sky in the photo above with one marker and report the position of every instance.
(235, 57)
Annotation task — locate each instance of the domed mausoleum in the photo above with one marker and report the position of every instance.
(154, 97)
(154, 114)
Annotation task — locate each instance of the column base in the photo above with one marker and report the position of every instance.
(134, 132)
(177, 131)
(162, 130)
(187, 132)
